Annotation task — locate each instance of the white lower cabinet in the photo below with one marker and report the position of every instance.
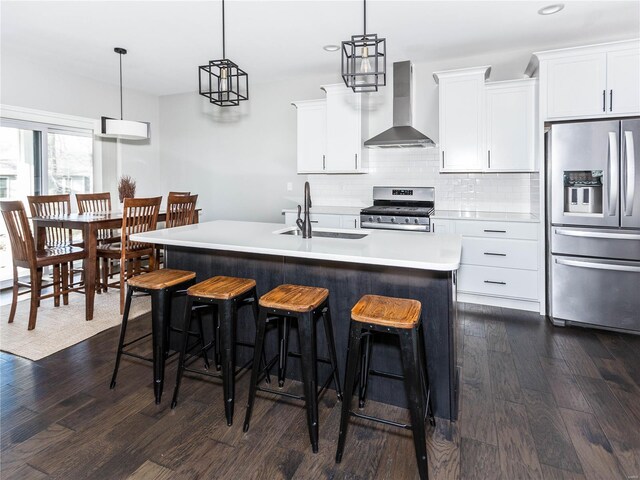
(499, 264)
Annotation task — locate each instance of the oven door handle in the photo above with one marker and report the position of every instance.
(598, 266)
(394, 226)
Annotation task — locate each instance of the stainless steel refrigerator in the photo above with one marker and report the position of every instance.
(593, 217)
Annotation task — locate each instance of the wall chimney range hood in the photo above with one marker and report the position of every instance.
(402, 134)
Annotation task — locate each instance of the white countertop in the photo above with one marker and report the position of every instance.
(329, 210)
(491, 216)
(425, 251)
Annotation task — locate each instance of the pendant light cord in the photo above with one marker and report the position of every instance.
(223, 45)
(365, 16)
(121, 115)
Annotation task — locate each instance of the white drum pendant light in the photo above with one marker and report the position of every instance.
(124, 129)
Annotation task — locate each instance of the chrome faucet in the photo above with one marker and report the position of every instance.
(305, 225)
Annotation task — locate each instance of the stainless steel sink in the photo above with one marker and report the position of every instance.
(343, 235)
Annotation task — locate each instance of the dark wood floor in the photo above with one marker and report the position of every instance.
(537, 402)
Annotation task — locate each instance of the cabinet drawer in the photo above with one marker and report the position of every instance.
(500, 282)
(496, 252)
(522, 231)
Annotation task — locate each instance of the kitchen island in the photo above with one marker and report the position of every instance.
(383, 262)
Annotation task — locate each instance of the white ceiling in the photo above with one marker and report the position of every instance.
(272, 40)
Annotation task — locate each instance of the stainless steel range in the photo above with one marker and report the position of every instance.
(400, 208)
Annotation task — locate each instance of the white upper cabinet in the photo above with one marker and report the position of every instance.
(589, 82)
(511, 126)
(576, 86)
(623, 81)
(344, 135)
(462, 119)
(312, 136)
(330, 133)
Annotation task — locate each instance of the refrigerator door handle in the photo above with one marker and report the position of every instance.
(592, 234)
(630, 177)
(598, 266)
(613, 172)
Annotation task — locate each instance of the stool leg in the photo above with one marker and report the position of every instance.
(353, 354)
(56, 285)
(159, 320)
(255, 370)
(202, 342)
(426, 387)
(328, 331)
(410, 351)
(307, 340)
(216, 341)
(168, 300)
(123, 330)
(227, 315)
(183, 348)
(364, 370)
(256, 316)
(284, 329)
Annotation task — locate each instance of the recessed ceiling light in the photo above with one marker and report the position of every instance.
(331, 48)
(551, 9)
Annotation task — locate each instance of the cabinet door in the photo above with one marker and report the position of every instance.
(623, 81)
(312, 134)
(442, 226)
(511, 127)
(343, 131)
(576, 86)
(325, 220)
(350, 221)
(462, 128)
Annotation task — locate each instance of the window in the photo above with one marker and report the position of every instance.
(40, 159)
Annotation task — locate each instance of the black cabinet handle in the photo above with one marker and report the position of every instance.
(323, 162)
(604, 100)
(443, 159)
(495, 231)
(314, 221)
(356, 161)
(494, 283)
(610, 100)
(489, 158)
(496, 254)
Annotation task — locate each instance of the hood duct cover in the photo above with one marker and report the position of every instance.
(402, 134)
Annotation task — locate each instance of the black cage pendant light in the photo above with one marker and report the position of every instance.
(364, 61)
(222, 81)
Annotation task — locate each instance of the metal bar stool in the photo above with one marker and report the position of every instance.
(227, 295)
(161, 285)
(305, 305)
(400, 317)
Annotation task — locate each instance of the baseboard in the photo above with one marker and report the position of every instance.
(530, 306)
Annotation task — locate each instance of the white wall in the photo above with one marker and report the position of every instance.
(29, 85)
(238, 159)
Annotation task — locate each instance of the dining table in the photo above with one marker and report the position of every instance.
(89, 224)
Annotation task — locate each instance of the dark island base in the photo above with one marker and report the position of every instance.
(346, 282)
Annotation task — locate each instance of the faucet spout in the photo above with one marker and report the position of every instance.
(305, 225)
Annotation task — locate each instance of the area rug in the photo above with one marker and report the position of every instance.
(60, 327)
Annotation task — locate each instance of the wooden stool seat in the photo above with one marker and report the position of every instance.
(159, 279)
(221, 288)
(387, 311)
(295, 298)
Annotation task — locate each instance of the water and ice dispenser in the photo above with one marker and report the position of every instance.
(583, 192)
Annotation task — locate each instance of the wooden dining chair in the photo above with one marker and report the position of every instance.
(99, 203)
(55, 237)
(138, 215)
(179, 216)
(24, 255)
(181, 210)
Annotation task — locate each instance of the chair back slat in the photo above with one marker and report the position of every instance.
(22, 244)
(181, 210)
(93, 202)
(52, 205)
(179, 193)
(139, 215)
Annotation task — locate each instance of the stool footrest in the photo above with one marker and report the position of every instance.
(380, 420)
(318, 359)
(284, 394)
(125, 345)
(140, 357)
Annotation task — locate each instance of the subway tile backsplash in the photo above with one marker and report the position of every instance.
(495, 192)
